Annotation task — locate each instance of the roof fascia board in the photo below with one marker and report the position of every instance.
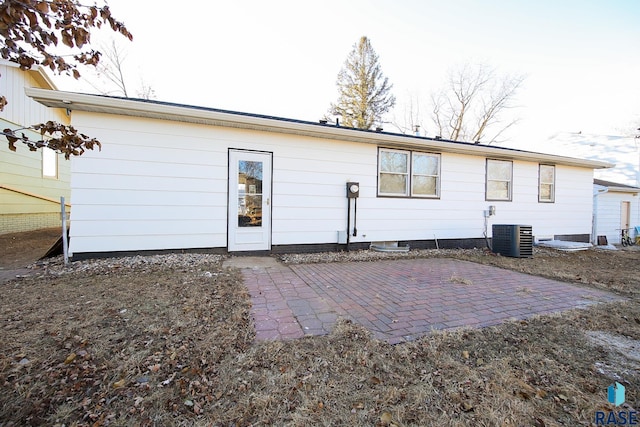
(624, 190)
(37, 72)
(119, 106)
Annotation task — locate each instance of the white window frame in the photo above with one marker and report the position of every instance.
(552, 184)
(509, 181)
(409, 174)
(437, 176)
(406, 174)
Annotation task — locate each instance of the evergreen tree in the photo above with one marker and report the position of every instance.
(364, 91)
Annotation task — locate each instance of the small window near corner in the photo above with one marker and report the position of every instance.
(49, 163)
(546, 184)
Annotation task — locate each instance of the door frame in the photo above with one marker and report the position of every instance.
(625, 214)
(233, 229)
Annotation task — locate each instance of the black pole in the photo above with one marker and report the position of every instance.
(355, 216)
(348, 220)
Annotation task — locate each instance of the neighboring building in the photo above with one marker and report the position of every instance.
(621, 151)
(615, 207)
(615, 195)
(176, 177)
(31, 182)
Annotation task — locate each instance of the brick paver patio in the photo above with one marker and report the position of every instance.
(400, 300)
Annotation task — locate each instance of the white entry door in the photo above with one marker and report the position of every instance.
(249, 201)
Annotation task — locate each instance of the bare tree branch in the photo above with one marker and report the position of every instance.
(473, 103)
(411, 117)
(29, 33)
(111, 66)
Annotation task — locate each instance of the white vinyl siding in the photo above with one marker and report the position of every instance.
(499, 179)
(163, 185)
(608, 214)
(546, 187)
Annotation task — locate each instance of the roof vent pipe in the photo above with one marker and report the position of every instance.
(416, 130)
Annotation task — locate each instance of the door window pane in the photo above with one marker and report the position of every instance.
(249, 194)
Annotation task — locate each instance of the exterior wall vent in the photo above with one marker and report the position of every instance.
(512, 240)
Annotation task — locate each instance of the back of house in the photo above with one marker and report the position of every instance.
(178, 177)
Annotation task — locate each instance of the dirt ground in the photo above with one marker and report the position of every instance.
(22, 249)
(169, 341)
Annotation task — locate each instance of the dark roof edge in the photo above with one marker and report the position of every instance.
(206, 115)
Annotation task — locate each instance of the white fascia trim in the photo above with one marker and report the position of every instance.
(127, 107)
(38, 73)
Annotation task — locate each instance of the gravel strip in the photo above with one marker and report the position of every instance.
(55, 266)
(371, 255)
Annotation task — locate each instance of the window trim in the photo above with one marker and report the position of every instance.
(553, 184)
(409, 194)
(407, 174)
(426, 196)
(509, 197)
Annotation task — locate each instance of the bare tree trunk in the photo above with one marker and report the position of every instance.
(111, 66)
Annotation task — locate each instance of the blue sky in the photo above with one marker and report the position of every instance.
(581, 58)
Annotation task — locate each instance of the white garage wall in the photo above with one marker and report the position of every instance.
(608, 214)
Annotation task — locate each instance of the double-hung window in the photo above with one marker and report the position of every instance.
(499, 180)
(404, 173)
(425, 175)
(546, 184)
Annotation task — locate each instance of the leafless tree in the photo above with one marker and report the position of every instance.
(410, 121)
(112, 68)
(29, 33)
(145, 90)
(472, 105)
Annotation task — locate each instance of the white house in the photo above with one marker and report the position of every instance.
(31, 183)
(177, 177)
(615, 207)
